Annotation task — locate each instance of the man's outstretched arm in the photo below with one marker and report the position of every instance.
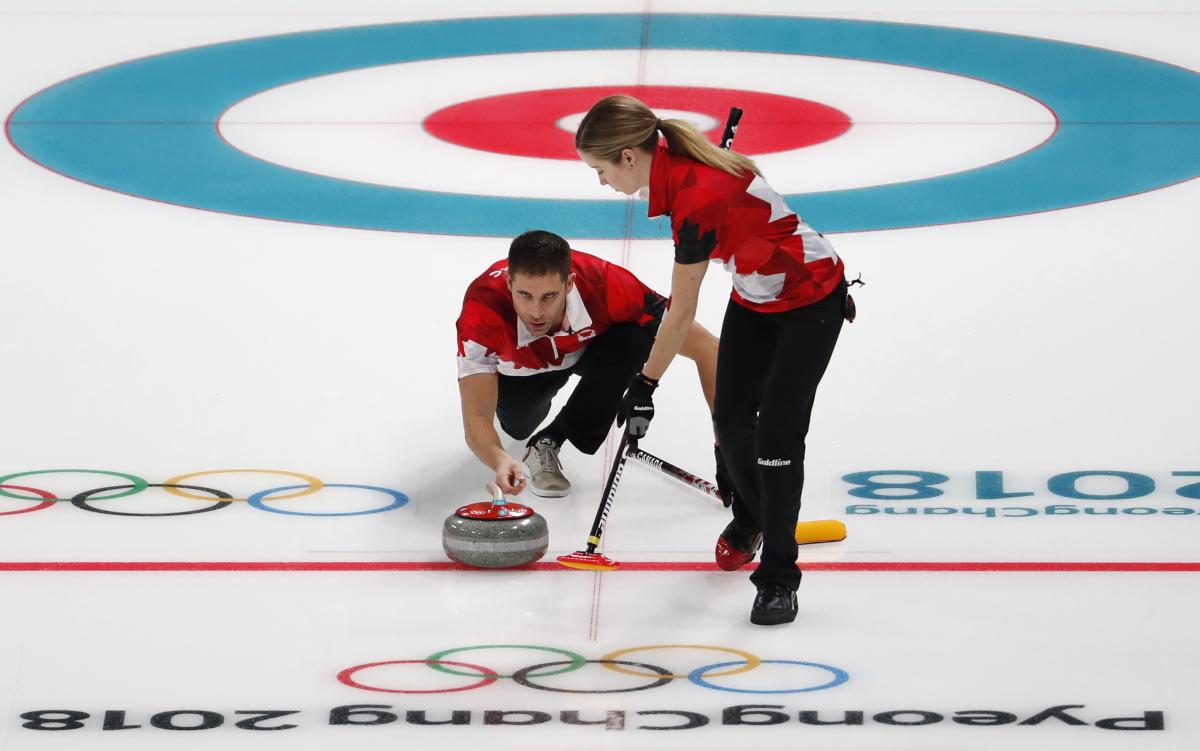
(478, 394)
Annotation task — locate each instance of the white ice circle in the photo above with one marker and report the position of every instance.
(570, 123)
(366, 125)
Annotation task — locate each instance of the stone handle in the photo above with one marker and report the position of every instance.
(497, 494)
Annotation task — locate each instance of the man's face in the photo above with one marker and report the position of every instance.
(540, 301)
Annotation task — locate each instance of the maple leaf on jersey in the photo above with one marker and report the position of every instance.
(691, 246)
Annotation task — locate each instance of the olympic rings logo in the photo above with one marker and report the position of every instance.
(181, 487)
(615, 661)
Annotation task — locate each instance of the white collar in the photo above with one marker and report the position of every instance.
(575, 318)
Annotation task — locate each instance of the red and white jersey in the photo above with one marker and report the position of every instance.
(493, 339)
(778, 262)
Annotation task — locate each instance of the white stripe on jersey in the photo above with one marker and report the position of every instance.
(569, 359)
(476, 360)
(759, 288)
(759, 188)
(816, 246)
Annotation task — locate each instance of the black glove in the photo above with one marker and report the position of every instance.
(724, 481)
(637, 407)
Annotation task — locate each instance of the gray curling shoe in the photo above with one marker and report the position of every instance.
(545, 470)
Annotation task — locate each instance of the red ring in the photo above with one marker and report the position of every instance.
(50, 499)
(489, 676)
(523, 124)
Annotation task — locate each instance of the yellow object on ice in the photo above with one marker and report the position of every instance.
(820, 530)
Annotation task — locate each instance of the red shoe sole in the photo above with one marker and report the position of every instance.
(730, 558)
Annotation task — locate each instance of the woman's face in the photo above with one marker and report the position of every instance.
(628, 174)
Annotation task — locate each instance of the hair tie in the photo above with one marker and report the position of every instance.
(658, 124)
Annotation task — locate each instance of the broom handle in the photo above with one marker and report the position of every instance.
(610, 491)
(731, 125)
(670, 470)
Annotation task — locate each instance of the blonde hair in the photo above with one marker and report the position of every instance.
(620, 122)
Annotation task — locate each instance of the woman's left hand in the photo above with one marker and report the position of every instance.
(637, 407)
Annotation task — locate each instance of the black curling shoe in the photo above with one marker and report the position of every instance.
(774, 604)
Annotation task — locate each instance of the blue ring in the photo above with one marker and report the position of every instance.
(839, 677)
(399, 500)
(147, 127)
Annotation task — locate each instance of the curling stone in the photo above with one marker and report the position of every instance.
(495, 534)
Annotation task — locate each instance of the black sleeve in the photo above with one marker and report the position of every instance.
(691, 246)
(655, 306)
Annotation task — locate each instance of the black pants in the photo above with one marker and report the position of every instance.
(768, 369)
(607, 366)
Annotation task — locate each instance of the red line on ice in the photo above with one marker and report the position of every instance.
(632, 566)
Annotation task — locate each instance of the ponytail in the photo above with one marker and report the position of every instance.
(683, 138)
(621, 122)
